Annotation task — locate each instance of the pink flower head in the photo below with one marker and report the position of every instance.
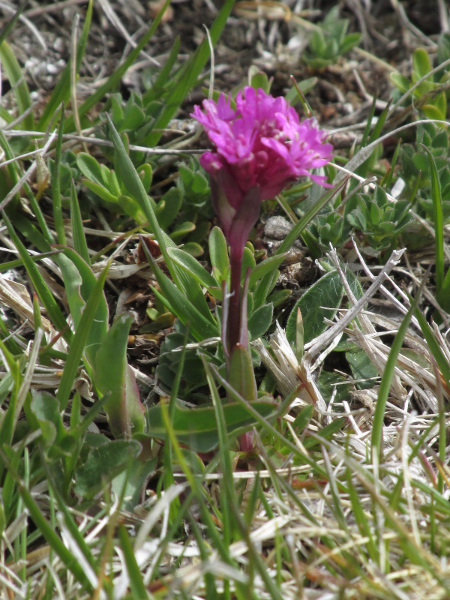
(259, 148)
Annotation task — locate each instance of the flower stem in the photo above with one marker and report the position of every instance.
(234, 318)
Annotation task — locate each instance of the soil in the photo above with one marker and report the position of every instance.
(42, 43)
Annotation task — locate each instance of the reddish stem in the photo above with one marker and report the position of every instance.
(234, 315)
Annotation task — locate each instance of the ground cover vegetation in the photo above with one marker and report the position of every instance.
(161, 437)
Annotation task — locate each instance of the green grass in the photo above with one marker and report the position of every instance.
(120, 475)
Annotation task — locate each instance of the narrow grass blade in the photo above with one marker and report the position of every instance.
(227, 484)
(195, 486)
(438, 215)
(114, 79)
(44, 293)
(296, 231)
(14, 383)
(361, 519)
(11, 23)
(14, 264)
(433, 346)
(385, 385)
(167, 460)
(10, 174)
(31, 232)
(56, 186)
(265, 283)
(210, 585)
(45, 528)
(163, 79)
(18, 84)
(127, 173)
(137, 586)
(61, 93)
(189, 74)
(79, 239)
(265, 424)
(68, 518)
(80, 283)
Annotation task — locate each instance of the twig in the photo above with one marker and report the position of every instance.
(321, 341)
(16, 189)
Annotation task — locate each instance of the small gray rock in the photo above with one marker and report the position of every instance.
(277, 228)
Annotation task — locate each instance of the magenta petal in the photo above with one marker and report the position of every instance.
(261, 145)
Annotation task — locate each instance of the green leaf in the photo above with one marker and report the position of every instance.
(266, 266)
(268, 282)
(302, 420)
(145, 173)
(128, 175)
(320, 302)
(241, 376)
(421, 64)
(248, 262)
(181, 230)
(326, 433)
(400, 82)
(56, 440)
(171, 202)
(305, 86)
(197, 428)
(200, 326)
(362, 369)
(443, 50)
(260, 321)
(434, 346)
(218, 253)
(131, 482)
(350, 41)
(263, 289)
(193, 267)
(91, 168)
(435, 111)
(80, 283)
(193, 249)
(259, 80)
(56, 177)
(103, 463)
(78, 345)
(114, 378)
(158, 86)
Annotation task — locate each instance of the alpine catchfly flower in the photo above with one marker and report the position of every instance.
(258, 148)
